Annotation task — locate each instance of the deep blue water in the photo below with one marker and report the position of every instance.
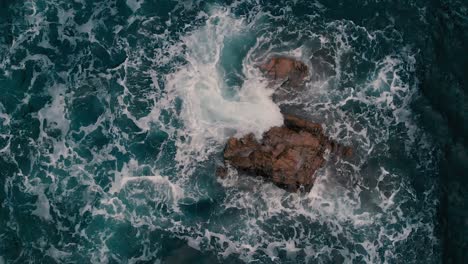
(114, 114)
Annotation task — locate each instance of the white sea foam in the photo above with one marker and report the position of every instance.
(134, 4)
(55, 115)
(176, 193)
(56, 254)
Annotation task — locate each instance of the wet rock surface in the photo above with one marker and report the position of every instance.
(288, 155)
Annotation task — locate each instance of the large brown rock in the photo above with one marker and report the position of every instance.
(288, 155)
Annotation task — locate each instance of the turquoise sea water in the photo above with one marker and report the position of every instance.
(114, 115)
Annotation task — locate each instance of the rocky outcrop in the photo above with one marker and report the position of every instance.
(288, 155)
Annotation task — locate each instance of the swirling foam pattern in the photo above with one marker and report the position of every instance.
(114, 114)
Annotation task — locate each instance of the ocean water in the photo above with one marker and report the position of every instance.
(114, 115)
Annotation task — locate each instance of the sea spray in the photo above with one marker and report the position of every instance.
(209, 115)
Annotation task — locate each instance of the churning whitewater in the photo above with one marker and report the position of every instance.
(114, 116)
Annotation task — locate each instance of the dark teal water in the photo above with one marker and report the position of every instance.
(113, 117)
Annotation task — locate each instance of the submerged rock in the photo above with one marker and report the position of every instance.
(287, 75)
(288, 155)
(286, 69)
